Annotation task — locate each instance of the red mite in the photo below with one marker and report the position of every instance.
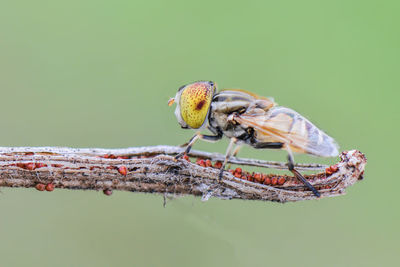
(40, 187)
(237, 175)
(331, 169)
(57, 165)
(202, 163)
(122, 170)
(186, 157)
(218, 164)
(107, 192)
(21, 165)
(257, 177)
(40, 165)
(50, 187)
(30, 166)
(238, 170)
(267, 181)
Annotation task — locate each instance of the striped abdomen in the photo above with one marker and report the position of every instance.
(284, 125)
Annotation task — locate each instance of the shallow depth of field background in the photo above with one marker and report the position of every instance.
(99, 74)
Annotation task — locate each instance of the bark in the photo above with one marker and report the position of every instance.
(154, 170)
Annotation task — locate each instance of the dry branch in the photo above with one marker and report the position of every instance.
(154, 170)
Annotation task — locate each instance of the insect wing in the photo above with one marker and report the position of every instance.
(284, 125)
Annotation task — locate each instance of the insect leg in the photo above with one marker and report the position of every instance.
(299, 176)
(235, 152)
(209, 138)
(270, 145)
(189, 145)
(227, 156)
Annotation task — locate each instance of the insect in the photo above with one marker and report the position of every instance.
(247, 118)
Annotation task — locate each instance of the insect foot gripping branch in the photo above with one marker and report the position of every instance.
(246, 118)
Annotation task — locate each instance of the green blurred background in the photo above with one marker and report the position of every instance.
(99, 74)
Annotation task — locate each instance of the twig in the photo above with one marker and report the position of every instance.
(154, 170)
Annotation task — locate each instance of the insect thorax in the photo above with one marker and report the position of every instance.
(223, 106)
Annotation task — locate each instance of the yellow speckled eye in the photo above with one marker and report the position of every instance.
(195, 102)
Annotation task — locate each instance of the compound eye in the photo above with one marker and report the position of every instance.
(195, 102)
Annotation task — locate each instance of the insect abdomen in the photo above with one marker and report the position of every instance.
(304, 136)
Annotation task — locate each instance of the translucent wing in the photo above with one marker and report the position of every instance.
(286, 126)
